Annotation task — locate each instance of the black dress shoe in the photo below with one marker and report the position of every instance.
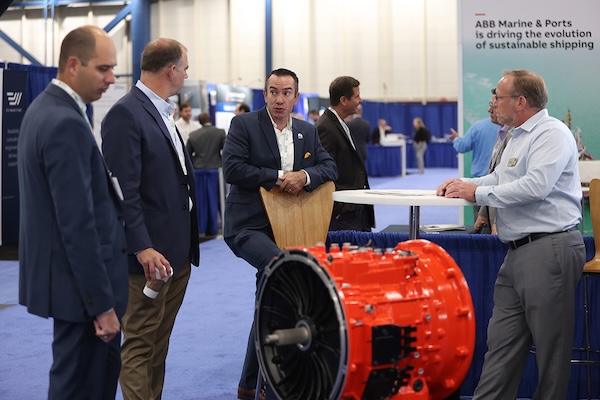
(250, 394)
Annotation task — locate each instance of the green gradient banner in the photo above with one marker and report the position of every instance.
(557, 39)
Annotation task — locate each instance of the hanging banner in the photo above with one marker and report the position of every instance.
(560, 42)
(13, 109)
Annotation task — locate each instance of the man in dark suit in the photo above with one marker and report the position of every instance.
(344, 98)
(361, 131)
(380, 131)
(72, 240)
(267, 148)
(144, 150)
(205, 144)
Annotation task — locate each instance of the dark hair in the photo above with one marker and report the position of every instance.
(529, 85)
(282, 72)
(161, 53)
(243, 107)
(184, 105)
(204, 118)
(342, 86)
(81, 43)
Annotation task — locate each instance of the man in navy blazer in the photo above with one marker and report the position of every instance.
(145, 151)
(72, 262)
(267, 148)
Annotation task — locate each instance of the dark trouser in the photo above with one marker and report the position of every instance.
(355, 221)
(258, 248)
(83, 367)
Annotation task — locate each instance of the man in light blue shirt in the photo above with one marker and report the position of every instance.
(479, 139)
(537, 192)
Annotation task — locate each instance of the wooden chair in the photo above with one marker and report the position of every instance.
(588, 170)
(591, 267)
(298, 221)
(301, 220)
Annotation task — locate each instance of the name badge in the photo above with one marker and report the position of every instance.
(511, 162)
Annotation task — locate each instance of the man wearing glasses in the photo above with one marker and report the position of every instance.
(537, 193)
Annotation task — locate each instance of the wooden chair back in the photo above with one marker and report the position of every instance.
(594, 264)
(301, 220)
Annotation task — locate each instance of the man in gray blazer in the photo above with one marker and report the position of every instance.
(205, 144)
(144, 150)
(72, 264)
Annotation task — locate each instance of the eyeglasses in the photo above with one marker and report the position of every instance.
(491, 104)
(496, 97)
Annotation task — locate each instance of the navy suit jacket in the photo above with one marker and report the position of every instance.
(139, 152)
(251, 159)
(72, 250)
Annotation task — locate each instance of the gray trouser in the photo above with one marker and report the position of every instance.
(420, 148)
(534, 298)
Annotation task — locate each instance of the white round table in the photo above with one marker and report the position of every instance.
(400, 197)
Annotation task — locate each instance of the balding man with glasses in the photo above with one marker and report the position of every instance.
(537, 193)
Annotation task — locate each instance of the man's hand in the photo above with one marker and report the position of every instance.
(456, 188)
(293, 182)
(107, 326)
(151, 259)
(453, 135)
(480, 221)
(441, 190)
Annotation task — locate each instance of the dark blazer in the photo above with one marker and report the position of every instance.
(204, 147)
(72, 261)
(138, 150)
(376, 135)
(251, 159)
(361, 131)
(350, 165)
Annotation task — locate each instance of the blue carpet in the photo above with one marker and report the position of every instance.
(209, 340)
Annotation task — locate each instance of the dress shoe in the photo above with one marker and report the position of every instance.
(250, 394)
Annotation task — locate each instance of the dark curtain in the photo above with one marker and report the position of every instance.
(37, 79)
(207, 197)
(438, 117)
(258, 100)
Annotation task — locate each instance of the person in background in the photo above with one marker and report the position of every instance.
(486, 218)
(147, 155)
(479, 139)
(537, 193)
(71, 261)
(185, 124)
(380, 131)
(361, 131)
(241, 108)
(421, 138)
(205, 144)
(344, 98)
(313, 116)
(267, 148)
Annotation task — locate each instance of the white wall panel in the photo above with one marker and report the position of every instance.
(400, 50)
(247, 42)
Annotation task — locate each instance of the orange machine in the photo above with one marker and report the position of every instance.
(359, 323)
